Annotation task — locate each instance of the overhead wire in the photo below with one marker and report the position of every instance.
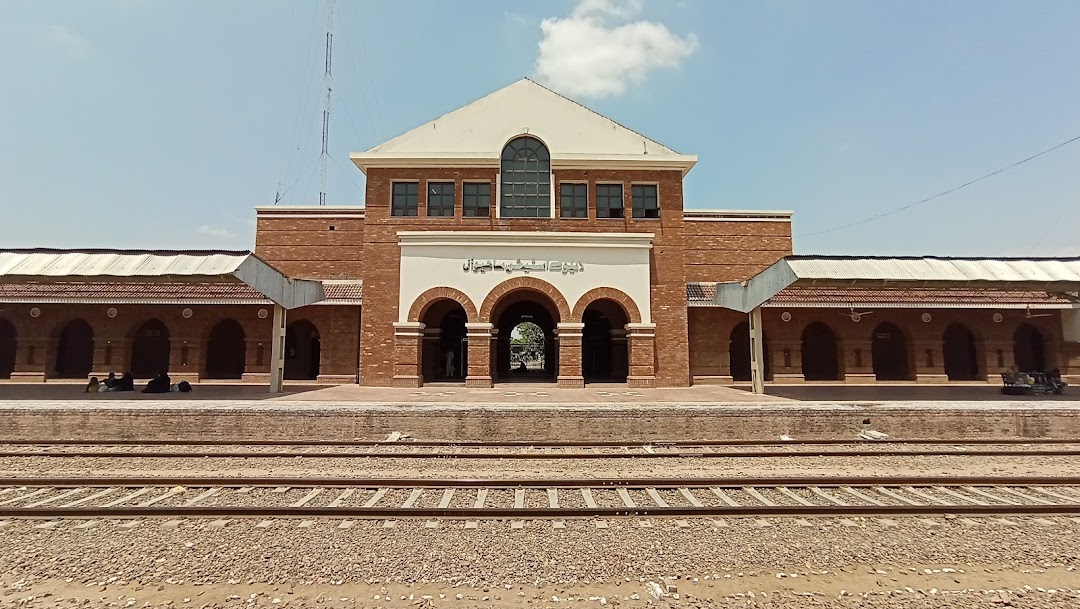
(943, 193)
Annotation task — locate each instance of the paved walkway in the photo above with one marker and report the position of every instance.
(215, 396)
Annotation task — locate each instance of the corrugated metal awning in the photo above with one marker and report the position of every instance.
(1048, 275)
(137, 267)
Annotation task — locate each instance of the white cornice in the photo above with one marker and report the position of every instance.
(639, 162)
(526, 239)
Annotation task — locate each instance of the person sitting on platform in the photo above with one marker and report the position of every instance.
(158, 384)
(93, 386)
(110, 382)
(125, 383)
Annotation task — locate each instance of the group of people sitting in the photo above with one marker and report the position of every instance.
(161, 383)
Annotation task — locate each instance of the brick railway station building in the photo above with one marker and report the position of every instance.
(525, 206)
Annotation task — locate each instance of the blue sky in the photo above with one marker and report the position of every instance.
(153, 123)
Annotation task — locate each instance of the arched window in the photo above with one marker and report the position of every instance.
(526, 179)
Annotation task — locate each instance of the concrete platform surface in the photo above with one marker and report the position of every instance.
(537, 393)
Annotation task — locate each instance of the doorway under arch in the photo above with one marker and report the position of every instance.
(604, 353)
(739, 353)
(75, 350)
(889, 352)
(303, 351)
(541, 357)
(1029, 350)
(958, 350)
(820, 355)
(8, 348)
(226, 350)
(150, 349)
(445, 352)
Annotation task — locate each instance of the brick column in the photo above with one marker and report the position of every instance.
(642, 343)
(407, 338)
(1068, 362)
(568, 336)
(111, 354)
(786, 361)
(185, 359)
(481, 336)
(257, 349)
(929, 361)
(30, 359)
(858, 361)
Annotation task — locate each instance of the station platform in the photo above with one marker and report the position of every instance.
(530, 413)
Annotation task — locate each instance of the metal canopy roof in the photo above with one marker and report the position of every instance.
(140, 266)
(1053, 275)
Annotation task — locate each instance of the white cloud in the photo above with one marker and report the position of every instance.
(590, 54)
(67, 41)
(217, 232)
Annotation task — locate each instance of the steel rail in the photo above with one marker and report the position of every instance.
(539, 512)
(671, 482)
(523, 443)
(121, 454)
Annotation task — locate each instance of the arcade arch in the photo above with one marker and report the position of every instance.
(75, 350)
(8, 345)
(1029, 349)
(820, 353)
(959, 353)
(150, 347)
(226, 350)
(445, 350)
(604, 352)
(513, 307)
(303, 351)
(890, 354)
(739, 353)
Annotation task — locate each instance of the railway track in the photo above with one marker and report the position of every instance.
(399, 450)
(550, 499)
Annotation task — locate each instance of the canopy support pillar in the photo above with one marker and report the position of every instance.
(277, 350)
(757, 352)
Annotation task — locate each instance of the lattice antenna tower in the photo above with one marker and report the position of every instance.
(327, 85)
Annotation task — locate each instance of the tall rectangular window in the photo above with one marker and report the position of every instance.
(609, 203)
(574, 200)
(476, 199)
(405, 198)
(644, 201)
(440, 199)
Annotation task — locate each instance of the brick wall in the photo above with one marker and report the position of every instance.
(382, 254)
(537, 423)
(710, 331)
(308, 247)
(37, 339)
(733, 250)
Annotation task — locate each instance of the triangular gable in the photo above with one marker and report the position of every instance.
(476, 133)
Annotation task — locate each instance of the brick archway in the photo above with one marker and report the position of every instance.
(627, 303)
(524, 283)
(429, 297)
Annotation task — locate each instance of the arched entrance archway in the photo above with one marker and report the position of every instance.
(739, 352)
(303, 351)
(8, 344)
(1029, 351)
(820, 355)
(889, 352)
(541, 357)
(445, 355)
(150, 349)
(958, 349)
(604, 353)
(75, 350)
(226, 350)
